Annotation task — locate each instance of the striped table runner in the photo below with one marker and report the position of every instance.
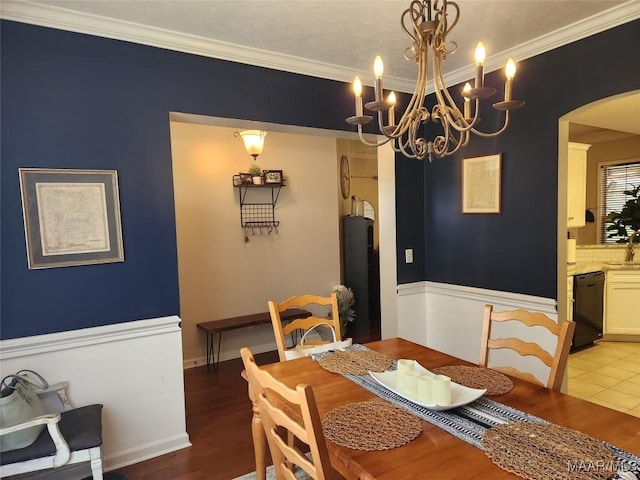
(469, 422)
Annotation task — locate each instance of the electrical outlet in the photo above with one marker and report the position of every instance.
(408, 255)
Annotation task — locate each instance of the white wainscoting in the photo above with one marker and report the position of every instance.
(134, 369)
(448, 318)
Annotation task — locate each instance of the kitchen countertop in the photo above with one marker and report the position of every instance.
(580, 268)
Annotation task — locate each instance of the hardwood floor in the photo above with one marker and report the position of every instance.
(219, 426)
(218, 412)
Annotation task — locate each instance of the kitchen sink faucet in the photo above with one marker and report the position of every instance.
(630, 250)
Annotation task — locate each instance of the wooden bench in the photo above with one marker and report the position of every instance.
(219, 326)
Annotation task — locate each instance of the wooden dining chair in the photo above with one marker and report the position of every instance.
(288, 411)
(330, 303)
(557, 361)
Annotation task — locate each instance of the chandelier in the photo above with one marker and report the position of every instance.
(428, 23)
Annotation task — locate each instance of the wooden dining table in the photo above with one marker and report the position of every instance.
(436, 454)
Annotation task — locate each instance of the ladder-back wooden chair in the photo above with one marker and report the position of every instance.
(557, 361)
(286, 412)
(303, 301)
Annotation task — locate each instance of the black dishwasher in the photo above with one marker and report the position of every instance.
(588, 293)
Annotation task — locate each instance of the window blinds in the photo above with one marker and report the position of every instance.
(614, 180)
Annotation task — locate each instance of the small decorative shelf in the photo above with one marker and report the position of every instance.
(257, 215)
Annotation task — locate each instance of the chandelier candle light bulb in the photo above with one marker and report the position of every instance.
(357, 90)
(480, 56)
(467, 100)
(391, 100)
(378, 70)
(511, 72)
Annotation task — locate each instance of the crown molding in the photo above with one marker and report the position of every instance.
(618, 15)
(78, 22)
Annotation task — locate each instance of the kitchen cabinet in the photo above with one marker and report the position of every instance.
(622, 302)
(577, 184)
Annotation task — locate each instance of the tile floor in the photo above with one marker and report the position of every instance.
(608, 374)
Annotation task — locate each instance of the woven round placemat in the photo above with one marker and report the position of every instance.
(496, 383)
(355, 362)
(543, 451)
(372, 425)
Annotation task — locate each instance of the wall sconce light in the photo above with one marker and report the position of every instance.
(253, 141)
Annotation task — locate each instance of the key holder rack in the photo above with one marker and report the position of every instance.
(257, 217)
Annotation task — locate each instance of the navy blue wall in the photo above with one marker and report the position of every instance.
(77, 101)
(516, 250)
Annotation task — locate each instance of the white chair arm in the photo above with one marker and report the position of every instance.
(51, 420)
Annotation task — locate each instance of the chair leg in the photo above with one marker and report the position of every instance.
(259, 440)
(95, 454)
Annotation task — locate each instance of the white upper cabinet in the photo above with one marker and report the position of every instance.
(577, 185)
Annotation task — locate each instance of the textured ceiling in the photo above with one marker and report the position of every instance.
(346, 33)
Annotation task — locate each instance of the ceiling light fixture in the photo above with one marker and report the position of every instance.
(253, 141)
(428, 22)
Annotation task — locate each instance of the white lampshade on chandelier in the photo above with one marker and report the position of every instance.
(253, 141)
(427, 23)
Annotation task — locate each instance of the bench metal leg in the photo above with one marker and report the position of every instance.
(211, 353)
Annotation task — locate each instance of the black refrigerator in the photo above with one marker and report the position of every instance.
(361, 273)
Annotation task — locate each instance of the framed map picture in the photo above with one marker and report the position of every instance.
(481, 184)
(71, 217)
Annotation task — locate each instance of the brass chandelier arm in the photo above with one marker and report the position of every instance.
(447, 101)
(497, 132)
(370, 144)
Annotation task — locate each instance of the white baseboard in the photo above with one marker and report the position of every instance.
(229, 355)
(147, 451)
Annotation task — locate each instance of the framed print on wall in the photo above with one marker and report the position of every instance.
(71, 217)
(273, 176)
(481, 179)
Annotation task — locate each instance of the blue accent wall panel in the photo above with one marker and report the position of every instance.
(516, 250)
(78, 101)
(410, 213)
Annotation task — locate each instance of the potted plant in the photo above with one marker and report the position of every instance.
(256, 174)
(346, 301)
(623, 223)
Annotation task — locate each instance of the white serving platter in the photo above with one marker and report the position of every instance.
(460, 395)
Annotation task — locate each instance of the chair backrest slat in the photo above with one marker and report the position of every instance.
(556, 360)
(303, 301)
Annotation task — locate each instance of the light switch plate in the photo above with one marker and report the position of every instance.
(408, 255)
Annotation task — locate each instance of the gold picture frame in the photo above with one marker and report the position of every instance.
(71, 217)
(481, 184)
